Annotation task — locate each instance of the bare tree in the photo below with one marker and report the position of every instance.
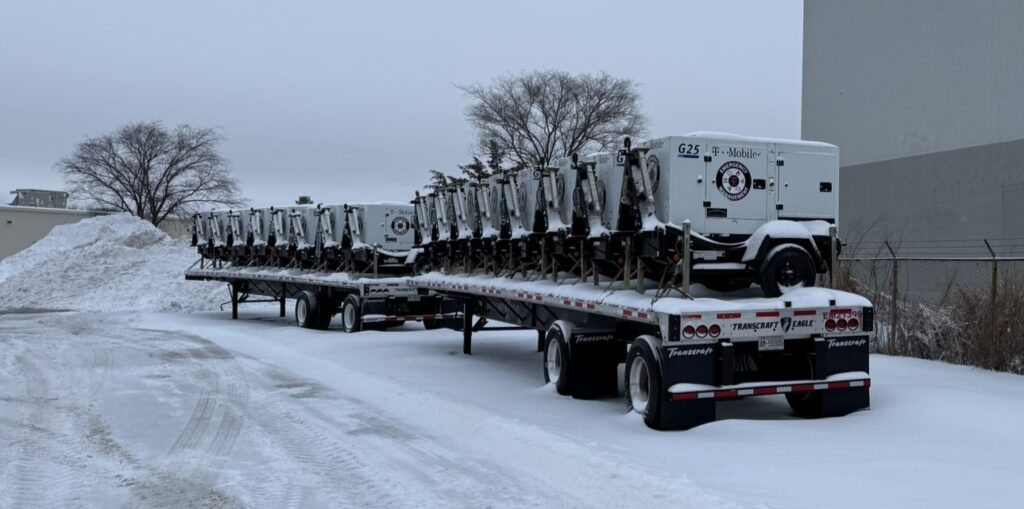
(537, 116)
(151, 172)
(304, 200)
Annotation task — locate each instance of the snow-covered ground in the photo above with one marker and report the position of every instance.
(126, 400)
(160, 409)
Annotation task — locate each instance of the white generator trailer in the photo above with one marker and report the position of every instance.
(752, 218)
(761, 210)
(367, 237)
(257, 226)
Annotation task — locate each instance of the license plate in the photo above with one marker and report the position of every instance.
(770, 344)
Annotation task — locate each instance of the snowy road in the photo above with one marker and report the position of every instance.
(162, 410)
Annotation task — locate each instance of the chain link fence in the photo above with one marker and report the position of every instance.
(958, 301)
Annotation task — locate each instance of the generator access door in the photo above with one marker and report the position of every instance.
(808, 187)
(736, 200)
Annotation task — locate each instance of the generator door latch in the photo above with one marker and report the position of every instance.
(778, 206)
(707, 158)
(707, 204)
(780, 162)
(825, 187)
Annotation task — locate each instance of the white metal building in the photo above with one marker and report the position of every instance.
(925, 99)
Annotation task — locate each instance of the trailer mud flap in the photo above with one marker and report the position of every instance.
(696, 364)
(595, 357)
(841, 355)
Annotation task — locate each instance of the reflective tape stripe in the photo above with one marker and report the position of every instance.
(776, 389)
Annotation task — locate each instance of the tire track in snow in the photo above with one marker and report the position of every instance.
(195, 427)
(52, 455)
(224, 392)
(343, 440)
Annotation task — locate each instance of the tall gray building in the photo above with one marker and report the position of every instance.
(925, 99)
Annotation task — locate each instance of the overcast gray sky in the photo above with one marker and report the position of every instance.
(356, 100)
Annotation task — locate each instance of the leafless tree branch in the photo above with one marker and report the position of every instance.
(538, 116)
(151, 172)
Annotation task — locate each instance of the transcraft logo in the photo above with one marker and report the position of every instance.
(695, 352)
(841, 343)
(756, 326)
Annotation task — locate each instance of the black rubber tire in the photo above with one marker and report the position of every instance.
(431, 324)
(809, 405)
(307, 313)
(648, 381)
(351, 316)
(725, 285)
(786, 266)
(557, 348)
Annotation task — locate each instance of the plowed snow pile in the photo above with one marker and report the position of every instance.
(106, 263)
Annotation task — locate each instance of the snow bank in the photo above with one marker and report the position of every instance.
(106, 263)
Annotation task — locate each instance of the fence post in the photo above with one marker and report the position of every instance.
(992, 307)
(894, 297)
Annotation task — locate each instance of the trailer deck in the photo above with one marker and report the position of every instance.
(682, 353)
(378, 301)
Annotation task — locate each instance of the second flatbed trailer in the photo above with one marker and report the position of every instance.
(682, 355)
(363, 301)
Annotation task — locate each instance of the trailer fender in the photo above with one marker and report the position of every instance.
(655, 345)
(566, 328)
(778, 232)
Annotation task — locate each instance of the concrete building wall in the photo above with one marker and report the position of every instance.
(20, 227)
(925, 99)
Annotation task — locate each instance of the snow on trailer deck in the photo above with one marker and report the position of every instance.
(816, 304)
(392, 285)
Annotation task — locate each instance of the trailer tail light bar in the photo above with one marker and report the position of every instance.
(764, 390)
(712, 325)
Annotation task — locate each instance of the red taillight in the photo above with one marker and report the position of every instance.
(830, 325)
(841, 324)
(853, 323)
(702, 330)
(714, 330)
(689, 331)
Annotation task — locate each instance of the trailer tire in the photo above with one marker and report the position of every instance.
(351, 317)
(557, 363)
(431, 324)
(809, 405)
(306, 311)
(786, 266)
(643, 383)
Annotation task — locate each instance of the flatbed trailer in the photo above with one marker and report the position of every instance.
(364, 301)
(682, 354)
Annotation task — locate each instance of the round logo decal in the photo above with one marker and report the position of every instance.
(654, 171)
(400, 225)
(733, 180)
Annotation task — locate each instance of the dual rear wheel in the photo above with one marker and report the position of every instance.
(314, 311)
